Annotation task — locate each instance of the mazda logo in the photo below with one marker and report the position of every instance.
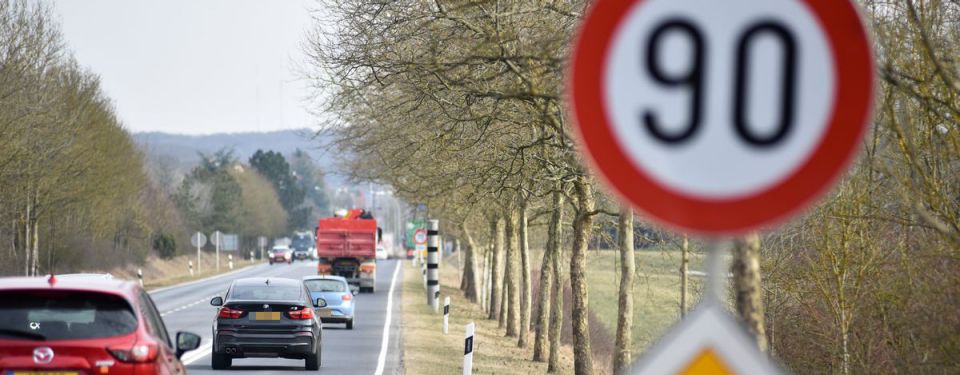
(42, 355)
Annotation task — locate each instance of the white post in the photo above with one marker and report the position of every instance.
(251, 257)
(198, 253)
(446, 314)
(216, 236)
(230, 261)
(433, 264)
(140, 276)
(190, 263)
(468, 350)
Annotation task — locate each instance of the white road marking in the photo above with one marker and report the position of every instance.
(195, 355)
(187, 306)
(381, 360)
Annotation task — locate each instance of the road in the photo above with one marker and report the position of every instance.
(358, 351)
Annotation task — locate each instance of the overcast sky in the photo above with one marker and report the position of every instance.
(195, 66)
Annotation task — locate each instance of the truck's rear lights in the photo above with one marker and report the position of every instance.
(228, 313)
(302, 314)
(324, 267)
(138, 353)
(368, 267)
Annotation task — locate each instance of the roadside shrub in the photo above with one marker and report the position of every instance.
(165, 245)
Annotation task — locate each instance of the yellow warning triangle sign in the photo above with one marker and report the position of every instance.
(708, 342)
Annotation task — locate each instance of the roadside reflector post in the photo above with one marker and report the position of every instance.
(140, 276)
(190, 264)
(230, 261)
(446, 314)
(433, 263)
(251, 257)
(468, 350)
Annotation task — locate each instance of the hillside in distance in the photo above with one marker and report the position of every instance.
(180, 152)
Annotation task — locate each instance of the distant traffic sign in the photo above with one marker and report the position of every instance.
(420, 236)
(720, 117)
(708, 341)
(198, 239)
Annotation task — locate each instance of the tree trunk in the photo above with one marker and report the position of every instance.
(525, 297)
(469, 268)
(556, 302)
(496, 236)
(542, 325)
(684, 264)
(747, 286)
(621, 357)
(27, 238)
(513, 273)
(485, 287)
(582, 226)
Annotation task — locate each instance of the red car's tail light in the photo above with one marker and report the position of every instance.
(347, 297)
(228, 313)
(141, 352)
(302, 314)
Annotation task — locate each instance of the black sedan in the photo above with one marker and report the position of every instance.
(267, 318)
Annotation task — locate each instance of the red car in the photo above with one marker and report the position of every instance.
(84, 325)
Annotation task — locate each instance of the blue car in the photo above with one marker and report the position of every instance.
(339, 296)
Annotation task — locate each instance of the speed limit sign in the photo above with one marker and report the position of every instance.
(720, 117)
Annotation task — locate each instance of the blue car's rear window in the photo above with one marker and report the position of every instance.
(319, 286)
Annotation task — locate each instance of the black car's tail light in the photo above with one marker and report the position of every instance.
(302, 314)
(228, 313)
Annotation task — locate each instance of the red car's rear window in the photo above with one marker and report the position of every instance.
(61, 315)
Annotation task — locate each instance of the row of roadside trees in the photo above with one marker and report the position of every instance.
(75, 191)
(460, 105)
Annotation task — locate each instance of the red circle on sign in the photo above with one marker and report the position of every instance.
(853, 68)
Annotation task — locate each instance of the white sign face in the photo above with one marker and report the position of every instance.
(198, 239)
(420, 236)
(708, 341)
(262, 241)
(765, 65)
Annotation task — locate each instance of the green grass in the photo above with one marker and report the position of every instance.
(656, 291)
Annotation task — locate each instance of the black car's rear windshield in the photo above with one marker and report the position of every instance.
(265, 292)
(321, 285)
(60, 315)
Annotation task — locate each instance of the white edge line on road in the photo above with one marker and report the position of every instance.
(381, 360)
(195, 355)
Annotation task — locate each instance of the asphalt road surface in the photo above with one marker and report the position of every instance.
(187, 308)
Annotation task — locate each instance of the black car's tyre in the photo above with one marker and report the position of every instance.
(271, 262)
(350, 324)
(220, 361)
(313, 361)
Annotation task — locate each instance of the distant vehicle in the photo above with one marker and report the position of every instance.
(85, 324)
(303, 245)
(280, 254)
(302, 254)
(339, 296)
(267, 318)
(346, 246)
(381, 253)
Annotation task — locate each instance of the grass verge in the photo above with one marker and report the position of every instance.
(426, 350)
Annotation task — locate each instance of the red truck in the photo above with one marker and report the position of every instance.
(347, 247)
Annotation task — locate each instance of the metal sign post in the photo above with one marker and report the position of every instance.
(198, 240)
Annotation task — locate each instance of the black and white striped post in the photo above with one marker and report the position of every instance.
(446, 314)
(468, 350)
(433, 264)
